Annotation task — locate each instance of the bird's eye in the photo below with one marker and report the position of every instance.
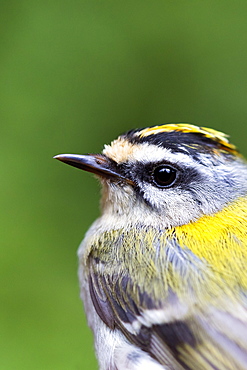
(164, 176)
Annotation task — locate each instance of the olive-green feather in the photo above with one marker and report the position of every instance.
(184, 309)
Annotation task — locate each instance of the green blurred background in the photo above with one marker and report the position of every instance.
(74, 75)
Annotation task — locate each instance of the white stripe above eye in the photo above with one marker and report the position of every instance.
(122, 151)
(146, 153)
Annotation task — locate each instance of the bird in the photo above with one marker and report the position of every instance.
(162, 271)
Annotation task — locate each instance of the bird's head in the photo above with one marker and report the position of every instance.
(165, 175)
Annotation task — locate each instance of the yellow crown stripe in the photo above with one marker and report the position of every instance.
(212, 134)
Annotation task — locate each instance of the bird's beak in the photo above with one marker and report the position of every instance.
(98, 164)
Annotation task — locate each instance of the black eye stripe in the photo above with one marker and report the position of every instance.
(145, 172)
(140, 172)
(164, 176)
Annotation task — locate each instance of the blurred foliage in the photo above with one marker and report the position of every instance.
(74, 75)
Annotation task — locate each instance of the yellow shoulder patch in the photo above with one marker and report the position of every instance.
(210, 133)
(219, 239)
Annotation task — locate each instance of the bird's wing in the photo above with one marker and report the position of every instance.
(179, 330)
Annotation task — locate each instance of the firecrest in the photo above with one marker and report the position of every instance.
(163, 270)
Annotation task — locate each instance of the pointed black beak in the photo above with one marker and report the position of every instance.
(98, 164)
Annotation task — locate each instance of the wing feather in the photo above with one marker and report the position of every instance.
(179, 334)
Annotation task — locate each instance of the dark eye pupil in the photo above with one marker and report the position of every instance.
(164, 176)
